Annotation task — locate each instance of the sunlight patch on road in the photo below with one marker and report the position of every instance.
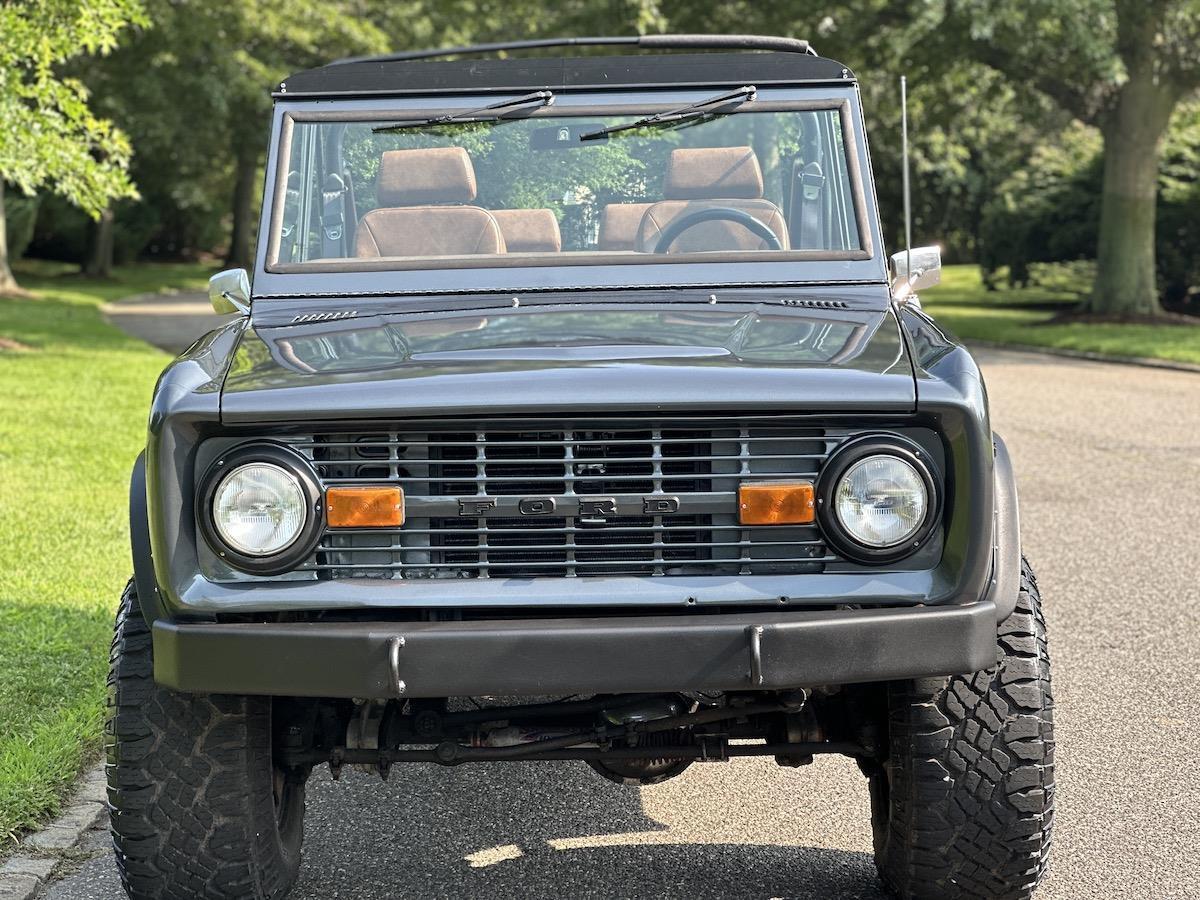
(481, 859)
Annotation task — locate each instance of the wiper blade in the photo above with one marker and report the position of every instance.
(709, 107)
(489, 113)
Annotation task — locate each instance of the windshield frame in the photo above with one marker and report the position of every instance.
(522, 273)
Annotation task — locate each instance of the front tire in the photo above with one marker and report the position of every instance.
(197, 807)
(964, 805)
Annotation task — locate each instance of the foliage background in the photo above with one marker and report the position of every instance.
(1004, 175)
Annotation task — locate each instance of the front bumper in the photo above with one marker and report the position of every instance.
(724, 652)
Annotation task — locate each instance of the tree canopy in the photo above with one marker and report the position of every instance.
(995, 86)
(1122, 66)
(51, 138)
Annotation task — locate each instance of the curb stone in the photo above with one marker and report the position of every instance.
(37, 856)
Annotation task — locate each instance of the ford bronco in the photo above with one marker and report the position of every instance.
(575, 412)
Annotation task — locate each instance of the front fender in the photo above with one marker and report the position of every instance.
(1006, 535)
(139, 543)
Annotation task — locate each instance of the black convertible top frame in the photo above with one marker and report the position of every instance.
(647, 41)
(764, 60)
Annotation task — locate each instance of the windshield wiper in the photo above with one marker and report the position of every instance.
(700, 109)
(489, 113)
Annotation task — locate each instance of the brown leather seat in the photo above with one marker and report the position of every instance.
(415, 190)
(529, 230)
(707, 177)
(619, 224)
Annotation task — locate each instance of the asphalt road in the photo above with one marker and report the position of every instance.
(169, 321)
(1108, 458)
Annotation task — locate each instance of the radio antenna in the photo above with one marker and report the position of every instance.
(907, 198)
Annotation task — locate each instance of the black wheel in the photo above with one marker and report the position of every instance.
(196, 805)
(964, 805)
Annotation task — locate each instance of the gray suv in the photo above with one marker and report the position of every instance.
(576, 413)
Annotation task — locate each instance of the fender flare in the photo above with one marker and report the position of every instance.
(1006, 535)
(139, 543)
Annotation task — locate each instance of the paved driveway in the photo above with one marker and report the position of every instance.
(1109, 463)
(169, 321)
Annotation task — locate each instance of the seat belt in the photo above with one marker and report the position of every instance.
(348, 205)
(333, 216)
(812, 183)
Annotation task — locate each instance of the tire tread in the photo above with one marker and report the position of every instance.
(189, 777)
(972, 772)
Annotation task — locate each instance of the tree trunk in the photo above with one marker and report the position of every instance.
(8, 284)
(1125, 265)
(241, 241)
(100, 259)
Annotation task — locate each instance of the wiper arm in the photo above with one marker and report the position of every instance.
(488, 113)
(682, 114)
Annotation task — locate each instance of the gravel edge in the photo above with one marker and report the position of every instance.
(39, 854)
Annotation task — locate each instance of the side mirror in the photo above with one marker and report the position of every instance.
(926, 270)
(229, 292)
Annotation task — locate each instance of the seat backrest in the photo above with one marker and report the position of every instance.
(700, 178)
(415, 190)
(619, 224)
(529, 230)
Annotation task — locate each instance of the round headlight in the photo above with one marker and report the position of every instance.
(881, 501)
(259, 509)
(878, 499)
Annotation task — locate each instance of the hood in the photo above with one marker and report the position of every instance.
(808, 354)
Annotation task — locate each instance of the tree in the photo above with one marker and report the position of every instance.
(195, 93)
(970, 127)
(50, 136)
(1122, 66)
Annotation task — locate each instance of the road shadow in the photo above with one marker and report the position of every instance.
(535, 831)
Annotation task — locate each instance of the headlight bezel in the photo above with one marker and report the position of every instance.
(841, 461)
(294, 464)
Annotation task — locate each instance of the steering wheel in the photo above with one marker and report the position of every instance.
(717, 214)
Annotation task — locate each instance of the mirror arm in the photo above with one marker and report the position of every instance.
(241, 307)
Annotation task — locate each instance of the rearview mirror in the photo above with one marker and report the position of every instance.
(926, 270)
(229, 292)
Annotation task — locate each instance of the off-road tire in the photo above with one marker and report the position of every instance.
(964, 806)
(191, 787)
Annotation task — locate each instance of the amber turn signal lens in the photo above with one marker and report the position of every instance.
(364, 507)
(776, 504)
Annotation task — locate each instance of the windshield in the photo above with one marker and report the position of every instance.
(529, 185)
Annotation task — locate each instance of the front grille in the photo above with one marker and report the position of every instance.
(525, 499)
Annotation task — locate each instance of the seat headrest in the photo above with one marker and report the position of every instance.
(529, 230)
(619, 223)
(418, 177)
(713, 173)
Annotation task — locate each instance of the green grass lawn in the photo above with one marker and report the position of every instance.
(966, 308)
(73, 409)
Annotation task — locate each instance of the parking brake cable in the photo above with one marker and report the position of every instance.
(489, 113)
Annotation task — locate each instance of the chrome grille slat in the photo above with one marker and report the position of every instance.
(657, 545)
(532, 531)
(530, 479)
(641, 496)
(559, 565)
(668, 459)
(309, 445)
